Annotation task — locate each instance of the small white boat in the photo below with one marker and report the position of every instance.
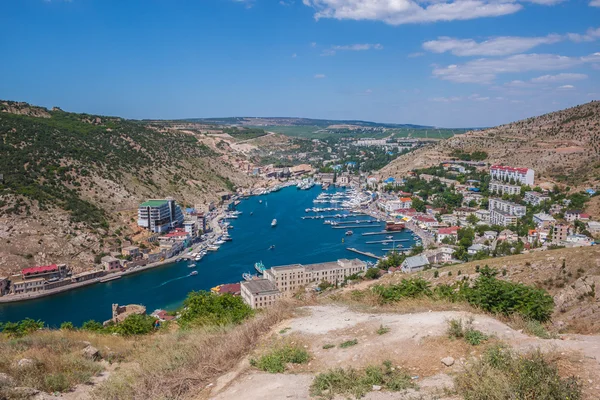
(274, 223)
(192, 266)
(212, 248)
(219, 242)
(198, 258)
(193, 273)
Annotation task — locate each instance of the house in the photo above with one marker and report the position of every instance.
(584, 217)
(45, 272)
(477, 248)
(483, 215)
(85, 276)
(543, 219)
(447, 232)
(508, 236)
(131, 251)
(559, 233)
(426, 221)
(490, 235)
(580, 240)
(414, 263)
(524, 176)
(593, 227)
(449, 219)
(162, 316)
(301, 169)
(191, 228)
(159, 215)
(231, 288)
(555, 209)
(535, 198)
(463, 212)
(500, 187)
(574, 215)
(110, 264)
(19, 285)
(441, 255)
(259, 293)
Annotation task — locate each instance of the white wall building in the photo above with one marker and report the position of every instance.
(535, 198)
(501, 187)
(523, 176)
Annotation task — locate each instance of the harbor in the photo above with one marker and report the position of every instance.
(253, 238)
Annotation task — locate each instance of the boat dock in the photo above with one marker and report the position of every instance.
(388, 241)
(381, 233)
(331, 216)
(351, 227)
(365, 221)
(363, 253)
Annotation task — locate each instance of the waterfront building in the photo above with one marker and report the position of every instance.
(131, 251)
(3, 285)
(110, 263)
(524, 176)
(259, 293)
(19, 286)
(191, 228)
(159, 215)
(535, 198)
(289, 278)
(500, 187)
(86, 276)
(414, 263)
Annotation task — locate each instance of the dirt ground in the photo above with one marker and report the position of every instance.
(415, 342)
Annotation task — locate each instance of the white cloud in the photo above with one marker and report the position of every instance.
(352, 47)
(446, 99)
(500, 46)
(566, 87)
(563, 77)
(595, 3)
(319, 76)
(396, 12)
(590, 35)
(485, 70)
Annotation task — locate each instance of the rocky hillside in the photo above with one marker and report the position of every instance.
(71, 182)
(563, 146)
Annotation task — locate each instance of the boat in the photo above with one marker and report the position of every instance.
(260, 201)
(198, 257)
(192, 266)
(193, 273)
(389, 237)
(394, 226)
(260, 267)
(274, 223)
(272, 247)
(251, 212)
(179, 259)
(212, 248)
(349, 233)
(220, 242)
(247, 276)
(226, 238)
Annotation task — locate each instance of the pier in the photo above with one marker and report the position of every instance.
(388, 241)
(358, 221)
(351, 227)
(363, 253)
(381, 233)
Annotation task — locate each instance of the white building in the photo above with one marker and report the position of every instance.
(535, 198)
(507, 206)
(159, 215)
(483, 215)
(414, 263)
(259, 293)
(543, 219)
(502, 218)
(191, 228)
(524, 176)
(501, 187)
(476, 248)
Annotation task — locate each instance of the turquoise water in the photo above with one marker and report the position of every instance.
(296, 241)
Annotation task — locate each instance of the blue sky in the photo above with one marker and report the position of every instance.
(463, 63)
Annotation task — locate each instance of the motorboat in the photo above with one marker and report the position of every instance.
(274, 223)
(193, 273)
(192, 266)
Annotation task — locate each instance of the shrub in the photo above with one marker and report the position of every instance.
(501, 374)
(475, 337)
(413, 287)
(135, 324)
(348, 343)
(92, 325)
(357, 383)
(372, 273)
(205, 308)
(21, 328)
(275, 360)
(382, 330)
(328, 346)
(436, 274)
(455, 329)
(67, 326)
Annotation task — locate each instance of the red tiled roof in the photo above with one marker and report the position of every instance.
(510, 169)
(405, 199)
(584, 216)
(423, 218)
(41, 269)
(448, 231)
(233, 288)
(176, 234)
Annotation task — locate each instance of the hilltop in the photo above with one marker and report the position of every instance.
(563, 146)
(71, 182)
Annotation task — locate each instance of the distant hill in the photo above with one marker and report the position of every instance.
(71, 182)
(563, 146)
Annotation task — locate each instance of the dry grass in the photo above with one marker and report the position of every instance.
(179, 364)
(57, 363)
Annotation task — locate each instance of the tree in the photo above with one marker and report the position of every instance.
(472, 219)
(418, 204)
(372, 273)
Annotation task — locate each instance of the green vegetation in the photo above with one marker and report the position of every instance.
(474, 156)
(204, 308)
(277, 358)
(456, 330)
(348, 343)
(382, 330)
(328, 346)
(487, 292)
(357, 383)
(501, 374)
(21, 328)
(245, 133)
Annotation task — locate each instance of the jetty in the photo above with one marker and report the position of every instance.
(363, 253)
(359, 221)
(388, 233)
(388, 241)
(351, 227)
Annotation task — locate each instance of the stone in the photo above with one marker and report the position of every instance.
(448, 361)
(25, 363)
(6, 380)
(376, 388)
(23, 392)
(91, 352)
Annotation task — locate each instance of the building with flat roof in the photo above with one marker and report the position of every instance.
(502, 218)
(259, 293)
(543, 219)
(523, 176)
(159, 215)
(559, 233)
(506, 206)
(535, 198)
(289, 278)
(110, 263)
(504, 188)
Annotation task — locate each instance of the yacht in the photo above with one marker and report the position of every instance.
(274, 223)
(349, 233)
(192, 266)
(193, 273)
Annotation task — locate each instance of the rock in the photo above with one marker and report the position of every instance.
(376, 388)
(25, 363)
(6, 380)
(448, 361)
(23, 392)
(91, 352)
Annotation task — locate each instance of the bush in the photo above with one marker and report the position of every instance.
(457, 330)
(135, 324)
(21, 328)
(475, 337)
(501, 374)
(93, 326)
(328, 346)
(357, 383)
(275, 360)
(349, 343)
(67, 326)
(205, 308)
(382, 330)
(372, 273)
(411, 288)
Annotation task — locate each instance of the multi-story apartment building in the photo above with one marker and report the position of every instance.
(542, 219)
(501, 187)
(159, 215)
(259, 293)
(559, 233)
(535, 198)
(507, 206)
(502, 218)
(524, 176)
(290, 278)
